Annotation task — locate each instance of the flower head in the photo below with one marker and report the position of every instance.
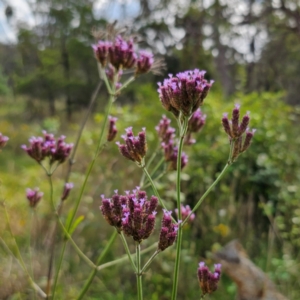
(184, 93)
(112, 129)
(135, 147)
(185, 211)
(3, 140)
(41, 148)
(34, 196)
(208, 281)
(168, 232)
(164, 130)
(240, 136)
(196, 123)
(133, 213)
(144, 62)
(101, 51)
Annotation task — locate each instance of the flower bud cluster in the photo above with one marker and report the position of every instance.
(48, 147)
(166, 134)
(168, 232)
(133, 213)
(112, 129)
(184, 93)
(196, 123)
(135, 147)
(185, 211)
(3, 140)
(236, 130)
(120, 53)
(208, 281)
(34, 196)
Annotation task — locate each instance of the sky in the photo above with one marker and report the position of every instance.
(22, 14)
(113, 10)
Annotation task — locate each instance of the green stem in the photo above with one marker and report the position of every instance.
(124, 258)
(125, 84)
(183, 130)
(79, 134)
(154, 188)
(155, 179)
(52, 238)
(20, 259)
(61, 257)
(103, 76)
(68, 236)
(111, 98)
(212, 186)
(147, 264)
(71, 162)
(149, 161)
(206, 193)
(138, 273)
(162, 160)
(29, 246)
(127, 251)
(94, 271)
(98, 148)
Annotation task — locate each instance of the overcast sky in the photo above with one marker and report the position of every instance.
(22, 13)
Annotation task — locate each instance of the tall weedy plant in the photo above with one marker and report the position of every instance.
(133, 213)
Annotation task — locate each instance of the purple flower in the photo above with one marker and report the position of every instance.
(41, 148)
(164, 130)
(184, 93)
(101, 51)
(144, 62)
(208, 281)
(240, 136)
(112, 129)
(185, 211)
(171, 154)
(196, 123)
(67, 188)
(34, 196)
(3, 140)
(135, 148)
(133, 213)
(121, 54)
(168, 232)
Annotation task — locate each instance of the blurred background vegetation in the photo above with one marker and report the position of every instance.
(47, 76)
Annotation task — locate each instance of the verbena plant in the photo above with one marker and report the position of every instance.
(132, 213)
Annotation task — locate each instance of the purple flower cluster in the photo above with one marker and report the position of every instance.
(34, 196)
(3, 140)
(133, 213)
(48, 147)
(208, 281)
(164, 130)
(171, 155)
(184, 93)
(121, 55)
(168, 232)
(166, 134)
(112, 129)
(185, 211)
(196, 123)
(235, 131)
(135, 147)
